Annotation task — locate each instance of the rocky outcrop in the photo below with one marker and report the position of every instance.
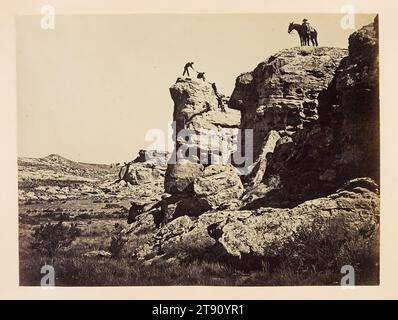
(355, 210)
(147, 167)
(204, 140)
(282, 92)
(314, 115)
(142, 173)
(154, 157)
(140, 180)
(350, 213)
(344, 144)
(196, 107)
(180, 177)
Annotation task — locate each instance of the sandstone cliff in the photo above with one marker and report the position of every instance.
(199, 164)
(344, 144)
(281, 94)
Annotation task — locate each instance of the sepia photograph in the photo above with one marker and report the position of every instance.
(238, 150)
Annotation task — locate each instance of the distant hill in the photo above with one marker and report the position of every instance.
(56, 177)
(62, 168)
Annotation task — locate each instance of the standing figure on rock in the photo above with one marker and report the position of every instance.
(306, 32)
(221, 103)
(186, 68)
(201, 75)
(219, 97)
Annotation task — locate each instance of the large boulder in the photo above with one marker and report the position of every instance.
(180, 177)
(196, 189)
(141, 173)
(355, 212)
(154, 157)
(185, 237)
(217, 185)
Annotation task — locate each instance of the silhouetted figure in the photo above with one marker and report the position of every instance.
(134, 211)
(306, 33)
(124, 173)
(221, 103)
(213, 85)
(186, 68)
(201, 75)
(214, 231)
(165, 214)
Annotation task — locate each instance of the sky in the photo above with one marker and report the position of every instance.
(90, 89)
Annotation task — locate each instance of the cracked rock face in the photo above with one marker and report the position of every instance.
(143, 173)
(281, 93)
(196, 103)
(209, 142)
(217, 185)
(355, 212)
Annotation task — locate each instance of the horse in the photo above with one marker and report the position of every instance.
(305, 37)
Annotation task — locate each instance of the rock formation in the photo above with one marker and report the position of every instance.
(217, 185)
(314, 115)
(282, 92)
(141, 172)
(344, 144)
(153, 157)
(148, 166)
(204, 142)
(353, 211)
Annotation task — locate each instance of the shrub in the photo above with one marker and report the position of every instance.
(328, 248)
(49, 238)
(118, 240)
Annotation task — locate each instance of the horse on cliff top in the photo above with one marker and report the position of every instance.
(305, 36)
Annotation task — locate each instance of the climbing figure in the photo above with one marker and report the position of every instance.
(221, 103)
(220, 97)
(306, 32)
(186, 68)
(201, 75)
(165, 213)
(134, 211)
(213, 85)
